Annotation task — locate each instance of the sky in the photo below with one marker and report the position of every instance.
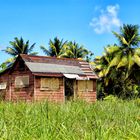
(88, 22)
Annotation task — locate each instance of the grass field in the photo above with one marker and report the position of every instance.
(103, 120)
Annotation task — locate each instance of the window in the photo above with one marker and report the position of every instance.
(85, 85)
(49, 83)
(90, 85)
(21, 81)
(3, 85)
(82, 85)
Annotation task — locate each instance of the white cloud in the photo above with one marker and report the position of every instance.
(107, 20)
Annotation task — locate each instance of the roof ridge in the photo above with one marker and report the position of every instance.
(57, 58)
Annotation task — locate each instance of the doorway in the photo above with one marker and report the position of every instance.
(69, 89)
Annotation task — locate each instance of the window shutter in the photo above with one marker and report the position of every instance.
(21, 81)
(54, 83)
(3, 85)
(81, 85)
(25, 81)
(18, 82)
(45, 83)
(49, 83)
(90, 85)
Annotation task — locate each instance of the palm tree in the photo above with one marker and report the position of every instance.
(108, 76)
(121, 60)
(127, 54)
(18, 46)
(73, 50)
(55, 47)
(128, 36)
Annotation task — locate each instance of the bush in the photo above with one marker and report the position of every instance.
(111, 98)
(137, 102)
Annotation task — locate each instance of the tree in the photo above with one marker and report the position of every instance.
(74, 50)
(55, 47)
(128, 36)
(105, 73)
(121, 62)
(18, 46)
(127, 54)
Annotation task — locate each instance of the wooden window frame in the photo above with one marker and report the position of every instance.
(3, 84)
(50, 86)
(83, 85)
(86, 88)
(92, 89)
(22, 85)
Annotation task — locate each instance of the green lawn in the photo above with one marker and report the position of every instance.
(103, 120)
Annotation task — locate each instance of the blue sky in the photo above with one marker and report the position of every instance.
(88, 22)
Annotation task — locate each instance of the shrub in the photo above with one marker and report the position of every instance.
(111, 98)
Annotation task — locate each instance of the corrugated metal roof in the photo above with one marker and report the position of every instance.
(53, 65)
(53, 68)
(51, 60)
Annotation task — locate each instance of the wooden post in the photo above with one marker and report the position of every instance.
(64, 88)
(10, 84)
(74, 89)
(34, 88)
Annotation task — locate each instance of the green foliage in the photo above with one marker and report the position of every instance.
(18, 46)
(137, 102)
(55, 47)
(103, 120)
(111, 98)
(74, 50)
(118, 68)
(129, 35)
(8, 63)
(67, 49)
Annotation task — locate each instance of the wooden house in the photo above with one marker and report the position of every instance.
(33, 78)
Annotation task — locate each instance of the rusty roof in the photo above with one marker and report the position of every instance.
(45, 64)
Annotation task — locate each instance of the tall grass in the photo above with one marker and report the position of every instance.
(103, 120)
